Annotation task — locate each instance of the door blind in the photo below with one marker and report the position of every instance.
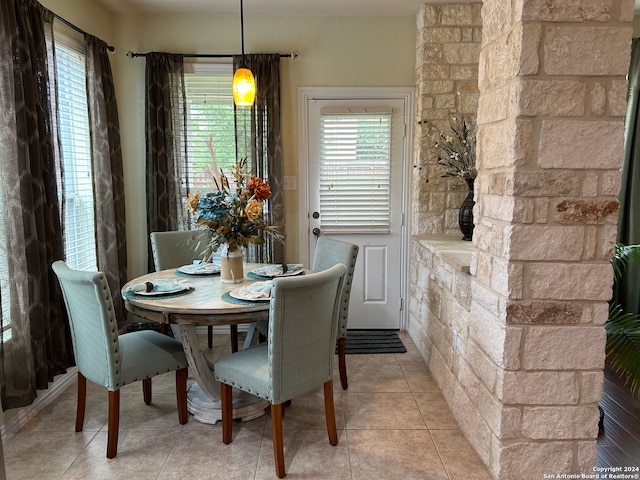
(355, 173)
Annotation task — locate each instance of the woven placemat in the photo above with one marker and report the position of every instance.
(226, 296)
(135, 296)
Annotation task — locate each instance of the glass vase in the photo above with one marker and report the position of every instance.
(231, 266)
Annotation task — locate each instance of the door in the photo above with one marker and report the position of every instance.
(357, 152)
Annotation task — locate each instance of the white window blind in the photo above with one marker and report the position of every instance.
(75, 146)
(355, 172)
(209, 117)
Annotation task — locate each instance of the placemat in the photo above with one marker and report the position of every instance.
(135, 296)
(226, 296)
(255, 276)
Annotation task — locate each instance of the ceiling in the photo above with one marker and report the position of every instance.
(382, 8)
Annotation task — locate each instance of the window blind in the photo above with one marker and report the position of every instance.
(210, 117)
(355, 172)
(75, 146)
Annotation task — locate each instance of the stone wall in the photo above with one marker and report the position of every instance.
(526, 376)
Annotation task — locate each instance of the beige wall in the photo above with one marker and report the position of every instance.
(333, 51)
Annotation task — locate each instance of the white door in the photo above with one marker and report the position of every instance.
(357, 151)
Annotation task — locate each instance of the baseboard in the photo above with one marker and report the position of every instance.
(21, 416)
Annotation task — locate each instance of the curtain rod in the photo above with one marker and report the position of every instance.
(292, 55)
(78, 29)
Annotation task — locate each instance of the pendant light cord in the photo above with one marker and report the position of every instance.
(242, 29)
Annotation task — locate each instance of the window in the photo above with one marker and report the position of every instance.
(76, 191)
(355, 171)
(210, 118)
(73, 124)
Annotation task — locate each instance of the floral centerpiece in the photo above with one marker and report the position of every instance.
(234, 214)
(457, 149)
(457, 153)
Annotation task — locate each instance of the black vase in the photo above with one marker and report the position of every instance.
(465, 214)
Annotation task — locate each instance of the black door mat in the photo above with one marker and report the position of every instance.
(373, 341)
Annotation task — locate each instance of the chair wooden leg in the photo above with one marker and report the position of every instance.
(342, 361)
(330, 413)
(210, 336)
(226, 397)
(234, 338)
(181, 395)
(82, 402)
(146, 390)
(113, 423)
(276, 433)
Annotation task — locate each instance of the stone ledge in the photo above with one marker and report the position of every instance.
(450, 248)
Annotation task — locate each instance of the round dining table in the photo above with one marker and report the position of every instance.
(205, 300)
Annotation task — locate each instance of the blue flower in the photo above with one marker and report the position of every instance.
(214, 206)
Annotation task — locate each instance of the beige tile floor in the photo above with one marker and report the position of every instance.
(392, 423)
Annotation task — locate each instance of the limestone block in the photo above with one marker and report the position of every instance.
(542, 242)
(493, 106)
(445, 101)
(461, 53)
(481, 398)
(591, 386)
(590, 185)
(530, 48)
(559, 98)
(488, 332)
(626, 10)
(581, 145)
(564, 348)
(610, 183)
(428, 53)
(598, 99)
(496, 19)
(464, 72)
(560, 422)
(540, 388)
(433, 71)
(546, 184)
(550, 313)
(578, 50)
(440, 35)
(501, 59)
(568, 10)
(599, 313)
(485, 368)
(587, 455)
(587, 212)
(558, 281)
(461, 14)
(506, 278)
(498, 208)
(533, 460)
(617, 97)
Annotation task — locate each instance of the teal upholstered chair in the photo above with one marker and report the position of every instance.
(330, 252)
(111, 360)
(297, 357)
(177, 248)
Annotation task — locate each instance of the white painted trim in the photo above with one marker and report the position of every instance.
(22, 416)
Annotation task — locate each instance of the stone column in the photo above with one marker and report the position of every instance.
(550, 144)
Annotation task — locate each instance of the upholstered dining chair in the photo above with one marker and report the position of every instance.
(330, 252)
(177, 248)
(111, 360)
(296, 358)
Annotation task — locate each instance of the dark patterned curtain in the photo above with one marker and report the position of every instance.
(259, 138)
(165, 144)
(627, 292)
(36, 344)
(108, 181)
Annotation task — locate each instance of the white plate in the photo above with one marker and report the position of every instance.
(244, 293)
(207, 269)
(164, 287)
(273, 271)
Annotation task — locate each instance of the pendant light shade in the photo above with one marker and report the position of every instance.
(244, 85)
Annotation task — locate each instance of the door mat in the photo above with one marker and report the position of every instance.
(373, 341)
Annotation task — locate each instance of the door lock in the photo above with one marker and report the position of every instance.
(315, 215)
(316, 231)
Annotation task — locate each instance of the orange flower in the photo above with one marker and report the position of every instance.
(259, 188)
(192, 202)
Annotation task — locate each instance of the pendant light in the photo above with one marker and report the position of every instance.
(244, 85)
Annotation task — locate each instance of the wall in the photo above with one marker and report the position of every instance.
(526, 377)
(349, 51)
